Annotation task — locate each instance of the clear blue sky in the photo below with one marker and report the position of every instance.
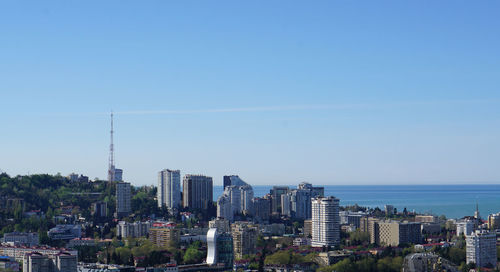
(279, 92)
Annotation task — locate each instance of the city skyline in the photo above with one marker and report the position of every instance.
(328, 93)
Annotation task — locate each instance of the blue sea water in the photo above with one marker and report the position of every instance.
(453, 201)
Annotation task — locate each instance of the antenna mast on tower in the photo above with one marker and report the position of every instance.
(111, 167)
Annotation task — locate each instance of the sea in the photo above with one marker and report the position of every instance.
(453, 201)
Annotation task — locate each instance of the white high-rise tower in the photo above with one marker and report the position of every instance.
(169, 189)
(325, 221)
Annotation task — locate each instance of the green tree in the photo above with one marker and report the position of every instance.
(193, 256)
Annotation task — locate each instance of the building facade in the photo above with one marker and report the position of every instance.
(197, 192)
(244, 239)
(133, 230)
(169, 189)
(21, 238)
(123, 199)
(164, 234)
(481, 249)
(325, 222)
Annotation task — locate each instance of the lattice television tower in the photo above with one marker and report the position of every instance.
(111, 167)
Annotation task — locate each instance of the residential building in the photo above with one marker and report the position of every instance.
(276, 193)
(494, 221)
(169, 189)
(123, 199)
(465, 227)
(394, 233)
(262, 208)
(221, 224)
(18, 252)
(224, 207)
(164, 234)
(197, 192)
(481, 249)
(65, 232)
(100, 209)
(427, 262)
(300, 201)
(37, 262)
(286, 205)
(77, 242)
(21, 238)
(133, 230)
(307, 230)
(244, 239)
(236, 198)
(325, 222)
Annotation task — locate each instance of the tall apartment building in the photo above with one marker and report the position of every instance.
(244, 239)
(169, 189)
(286, 205)
(465, 227)
(276, 193)
(481, 248)
(100, 209)
(197, 191)
(123, 199)
(262, 208)
(236, 198)
(325, 222)
(301, 203)
(164, 234)
(394, 233)
(494, 221)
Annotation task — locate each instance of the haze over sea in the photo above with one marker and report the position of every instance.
(454, 201)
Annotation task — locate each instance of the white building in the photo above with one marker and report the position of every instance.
(465, 227)
(123, 199)
(133, 230)
(286, 205)
(481, 248)
(236, 198)
(169, 188)
(325, 221)
(212, 246)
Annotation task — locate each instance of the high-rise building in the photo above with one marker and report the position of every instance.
(465, 227)
(164, 234)
(237, 197)
(123, 199)
(262, 208)
(315, 191)
(494, 221)
(301, 203)
(100, 209)
(224, 208)
(244, 239)
(325, 222)
(220, 248)
(307, 228)
(197, 191)
(286, 205)
(481, 249)
(276, 193)
(169, 189)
